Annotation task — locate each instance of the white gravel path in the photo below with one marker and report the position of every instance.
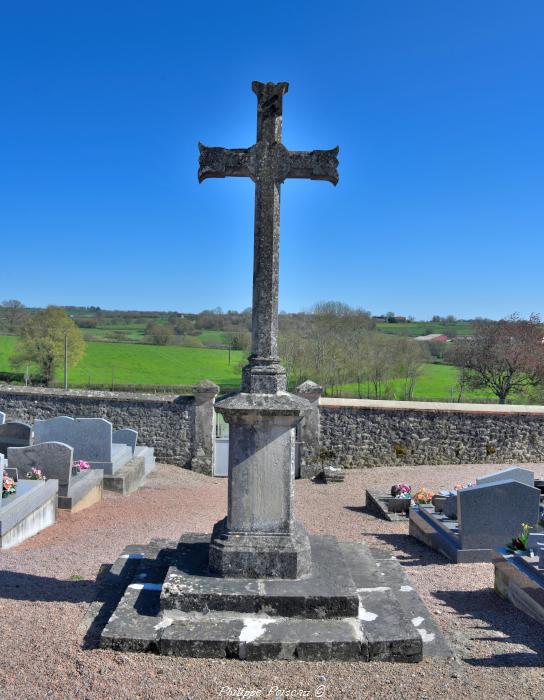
(47, 583)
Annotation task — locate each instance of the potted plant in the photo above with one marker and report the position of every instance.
(423, 497)
(35, 474)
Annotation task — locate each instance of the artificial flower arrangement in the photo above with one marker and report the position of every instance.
(462, 486)
(423, 496)
(80, 466)
(35, 474)
(401, 491)
(8, 486)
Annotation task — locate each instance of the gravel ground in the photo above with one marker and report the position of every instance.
(47, 583)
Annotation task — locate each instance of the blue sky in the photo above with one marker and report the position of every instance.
(437, 107)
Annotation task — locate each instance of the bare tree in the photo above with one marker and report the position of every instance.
(503, 356)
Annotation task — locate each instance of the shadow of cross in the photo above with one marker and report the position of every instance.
(268, 163)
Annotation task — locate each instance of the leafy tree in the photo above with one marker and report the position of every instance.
(503, 356)
(42, 341)
(159, 333)
(13, 313)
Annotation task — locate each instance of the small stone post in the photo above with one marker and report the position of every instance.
(204, 427)
(309, 430)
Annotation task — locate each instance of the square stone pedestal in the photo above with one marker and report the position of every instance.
(259, 537)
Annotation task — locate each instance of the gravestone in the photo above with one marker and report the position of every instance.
(54, 459)
(124, 464)
(125, 436)
(14, 434)
(90, 438)
(524, 476)
(77, 489)
(492, 514)
(2, 418)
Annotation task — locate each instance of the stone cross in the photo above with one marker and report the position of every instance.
(268, 163)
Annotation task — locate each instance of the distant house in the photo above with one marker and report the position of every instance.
(433, 338)
(400, 319)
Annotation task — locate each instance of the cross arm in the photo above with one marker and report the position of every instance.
(314, 165)
(216, 161)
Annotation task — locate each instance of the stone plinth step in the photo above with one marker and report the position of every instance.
(328, 591)
(381, 628)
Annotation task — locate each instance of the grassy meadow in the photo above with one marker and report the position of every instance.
(434, 384)
(143, 364)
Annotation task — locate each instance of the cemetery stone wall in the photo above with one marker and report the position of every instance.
(164, 422)
(364, 433)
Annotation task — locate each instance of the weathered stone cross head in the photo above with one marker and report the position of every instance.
(268, 163)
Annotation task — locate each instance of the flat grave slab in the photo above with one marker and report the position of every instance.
(28, 511)
(358, 618)
(520, 579)
(386, 507)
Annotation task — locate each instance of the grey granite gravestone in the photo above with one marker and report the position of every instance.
(125, 436)
(91, 438)
(55, 460)
(492, 514)
(2, 418)
(14, 434)
(524, 476)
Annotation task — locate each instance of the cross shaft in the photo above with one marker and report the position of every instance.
(268, 163)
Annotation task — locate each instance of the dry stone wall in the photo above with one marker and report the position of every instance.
(373, 433)
(164, 422)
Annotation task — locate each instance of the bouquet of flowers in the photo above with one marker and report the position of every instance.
(423, 496)
(35, 474)
(520, 543)
(401, 491)
(8, 485)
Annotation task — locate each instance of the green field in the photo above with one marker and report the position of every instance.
(434, 384)
(414, 328)
(144, 364)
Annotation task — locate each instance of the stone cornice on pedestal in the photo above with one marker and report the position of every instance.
(280, 404)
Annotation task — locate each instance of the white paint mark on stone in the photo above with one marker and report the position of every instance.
(253, 629)
(146, 586)
(416, 621)
(365, 614)
(426, 636)
(164, 624)
(405, 589)
(378, 589)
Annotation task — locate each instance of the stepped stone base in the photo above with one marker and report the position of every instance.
(356, 605)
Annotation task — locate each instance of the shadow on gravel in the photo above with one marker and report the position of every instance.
(409, 551)
(498, 616)
(19, 586)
